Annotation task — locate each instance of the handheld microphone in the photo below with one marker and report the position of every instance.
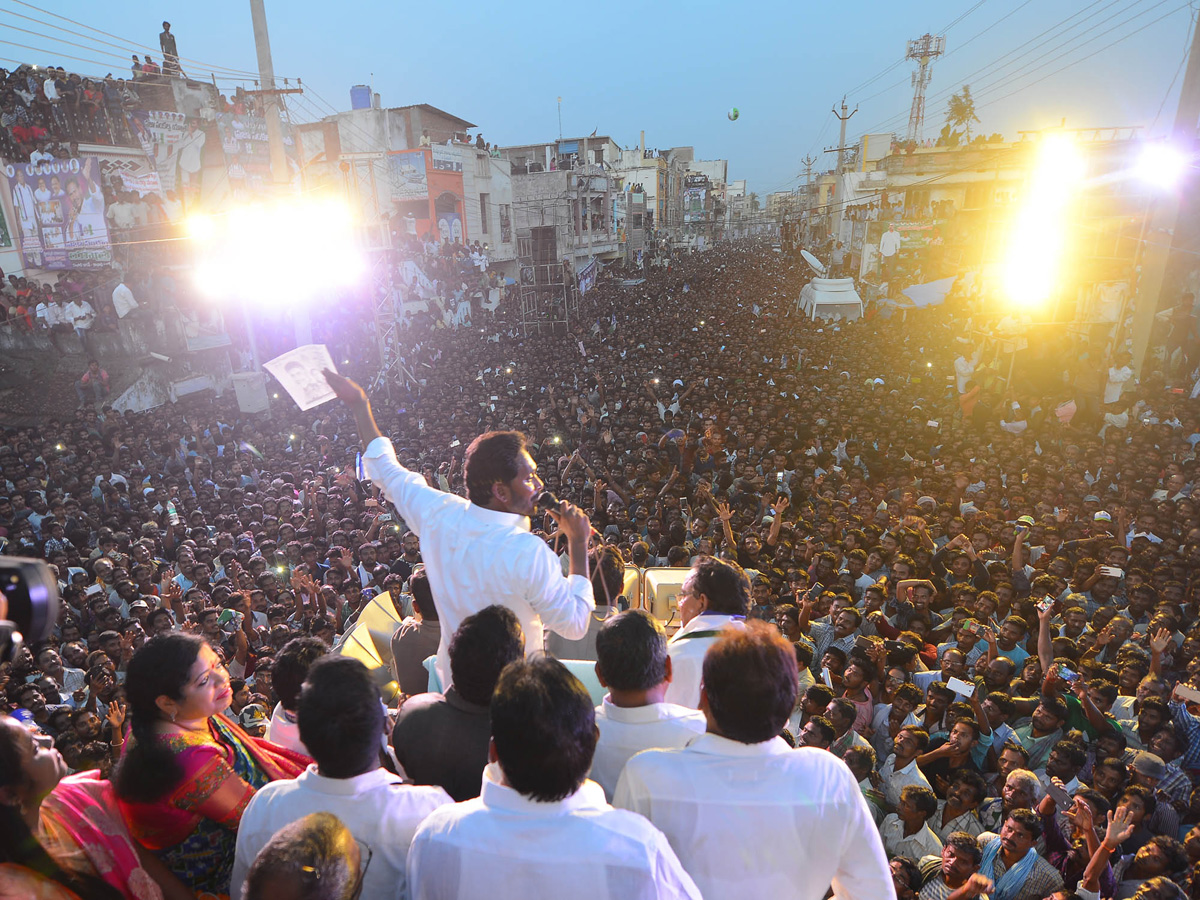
(547, 502)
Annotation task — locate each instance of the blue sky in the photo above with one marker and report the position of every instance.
(671, 68)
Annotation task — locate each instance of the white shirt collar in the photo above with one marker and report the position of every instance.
(500, 796)
(706, 622)
(636, 715)
(313, 780)
(716, 745)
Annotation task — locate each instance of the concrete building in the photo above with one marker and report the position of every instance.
(577, 203)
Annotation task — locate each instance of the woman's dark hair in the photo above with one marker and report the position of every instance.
(543, 727)
(19, 845)
(491, 457)
(161, 666)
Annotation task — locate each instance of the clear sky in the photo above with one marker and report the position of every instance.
(671, 68)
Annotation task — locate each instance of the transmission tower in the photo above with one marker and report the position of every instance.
(922, 51)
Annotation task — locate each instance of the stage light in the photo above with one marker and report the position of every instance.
(1161, 165)
(1038, 244)
(263, 253)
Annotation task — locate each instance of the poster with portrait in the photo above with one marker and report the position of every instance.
(450, 227)
(160, 133)
(300, 373)
(59, 210)
(5, 235)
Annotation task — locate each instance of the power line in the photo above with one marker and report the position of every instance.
(1057, 30)
(207, 67)
(1123, 37)
(1053, 53)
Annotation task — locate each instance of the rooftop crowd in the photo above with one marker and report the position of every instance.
(963, 588)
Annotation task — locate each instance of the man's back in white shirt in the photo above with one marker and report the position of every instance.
(378, 808)
(476, 557)
(505, 846)
(626, 730)
(760, 820)
(687, 649)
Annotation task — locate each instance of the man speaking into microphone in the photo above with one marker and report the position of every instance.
(480, 551)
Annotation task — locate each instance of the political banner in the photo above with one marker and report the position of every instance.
(59, 209)
(5, 236)
(446, 159)
(248, 153)
(159, 133)
(409, 179)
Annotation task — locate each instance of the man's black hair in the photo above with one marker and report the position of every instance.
(631, 651)
(750, 681)
(340, 717)
(491, 457)
(543, 728)
(291, 668)
(479, 650)
(724, 584)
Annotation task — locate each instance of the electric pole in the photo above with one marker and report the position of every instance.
(266, 77)
(841, 161)
(1164, 214)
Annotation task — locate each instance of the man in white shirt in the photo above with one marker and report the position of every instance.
(81, 316)
(341, 722)
(480, 551)
(900, 769)
(748, 815)
(123, 302)
(715, 595)
(540, 829)
(1118, 373)
(632, 662)
(287, 677)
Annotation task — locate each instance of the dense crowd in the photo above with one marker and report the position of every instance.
(980, 569)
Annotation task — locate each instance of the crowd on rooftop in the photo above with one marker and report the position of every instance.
(980, 570)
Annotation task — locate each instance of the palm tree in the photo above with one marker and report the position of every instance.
(960, 111)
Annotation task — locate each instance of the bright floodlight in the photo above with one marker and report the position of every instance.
(1039, 240)
(1161, 165)
(276, 253)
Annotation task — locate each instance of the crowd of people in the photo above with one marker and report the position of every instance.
(937, 636)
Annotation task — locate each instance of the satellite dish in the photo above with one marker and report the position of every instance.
(813, 263)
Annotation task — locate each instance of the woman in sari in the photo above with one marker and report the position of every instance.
(30, 768)
(188, 773)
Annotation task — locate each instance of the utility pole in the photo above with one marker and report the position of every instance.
(838, 198)
(560, 118)
(266, 77)
(1164, 215)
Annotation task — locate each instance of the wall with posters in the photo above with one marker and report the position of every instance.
(58, 208)
(160, 134)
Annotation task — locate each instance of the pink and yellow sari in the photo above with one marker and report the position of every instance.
(81, 827)
(193, 828)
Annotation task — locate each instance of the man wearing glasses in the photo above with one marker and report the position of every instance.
(715, 595)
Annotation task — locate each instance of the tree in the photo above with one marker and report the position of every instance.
(753, 202)
(960, 111)
(949, 137)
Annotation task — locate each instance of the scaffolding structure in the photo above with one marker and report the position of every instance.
(923, 51)
(548, 285)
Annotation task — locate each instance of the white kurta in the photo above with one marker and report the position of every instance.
(504, 846)
(760, 820)
(476, 557)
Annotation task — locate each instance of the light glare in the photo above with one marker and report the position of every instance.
(1161, 165)
(1039, 241)
(264, 252)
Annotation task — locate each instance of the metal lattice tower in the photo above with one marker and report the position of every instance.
(924, 50)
